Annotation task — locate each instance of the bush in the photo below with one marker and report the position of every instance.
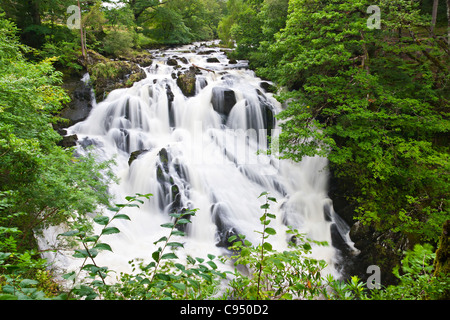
(118, 42)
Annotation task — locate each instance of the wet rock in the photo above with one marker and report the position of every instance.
(135, 154)
(223, 100)
(212, 60)
(186, 81)
(172, 62)
(78, 108)
(108, 75)
(68, 141)
(268, 87)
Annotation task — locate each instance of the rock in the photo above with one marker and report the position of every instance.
(442, 260)
(135, 154)
(107, 74)
(232, 61)
(79, 106)
(186, 81)
(268, 87)
(143, 60)
(68, 141)
(223, 100)
(212, 60)
(172, 62)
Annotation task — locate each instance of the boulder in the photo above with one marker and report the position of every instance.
(186, 81)
(68, 141)
(212, 60)
(223, 100)
(135, 154)
(172, 62)
(108, 75)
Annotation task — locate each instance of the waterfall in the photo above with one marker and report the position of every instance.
(201, 151)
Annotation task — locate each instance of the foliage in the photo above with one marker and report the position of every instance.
(118, 42)
(163, 278)
(417, 281)
(41, 184)
(274, 275)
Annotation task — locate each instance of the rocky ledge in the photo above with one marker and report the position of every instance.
(105, 76)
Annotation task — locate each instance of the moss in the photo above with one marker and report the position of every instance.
(441, 262)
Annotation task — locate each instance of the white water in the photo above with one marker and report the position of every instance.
(213, 162)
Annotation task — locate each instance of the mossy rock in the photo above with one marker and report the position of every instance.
(441, 262)
(186, 81)
(108, 75)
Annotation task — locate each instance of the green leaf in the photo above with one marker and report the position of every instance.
(110, 230)
(245, 252)
(180, 266)
(28, 282)
(263, 194)
(8, 297)
(163, 276)
(155, 256)
(265, 206)
(267, 246)
(183, 221)
(212, 264)
(122, 216)
(270, 231)
(169, 255)
(102, 220)
(169, 225)
(164, 238)
(179, 286)
(194, 283)
(103, 246)
(177, 233)
(174, 244)
(211, 256)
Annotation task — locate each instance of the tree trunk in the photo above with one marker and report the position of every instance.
(81, 33)
(434, 15)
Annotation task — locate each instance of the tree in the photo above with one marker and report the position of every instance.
(43, 182)
(373, 103)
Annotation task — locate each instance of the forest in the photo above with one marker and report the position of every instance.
(367, 89)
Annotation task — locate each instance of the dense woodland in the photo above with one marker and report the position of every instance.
(374, 101)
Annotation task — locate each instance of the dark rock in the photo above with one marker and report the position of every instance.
(268, 87)
(223, 100)
(143, 60)
(232, 61)
(212, 60)
(135, 154)
(186, 81)
(206, 52)
(80, 104)
(172, 62)
(68, 141)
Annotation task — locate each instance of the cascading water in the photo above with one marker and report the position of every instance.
(201, 151)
